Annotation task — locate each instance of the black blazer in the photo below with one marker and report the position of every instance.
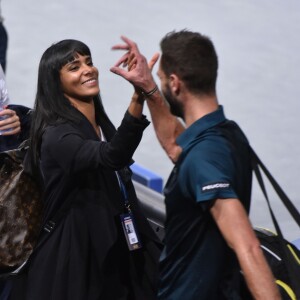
(86, 256)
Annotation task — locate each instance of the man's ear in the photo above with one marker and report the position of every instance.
(175, 84)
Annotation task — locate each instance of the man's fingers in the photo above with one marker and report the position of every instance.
(132, 45)
(132, 64)
(153, 61)
(129, 45)
(130, 61)
(122, 60)
(138, 70)
(120, 47)
(119, 71)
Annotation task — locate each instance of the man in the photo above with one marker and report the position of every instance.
(209, 237)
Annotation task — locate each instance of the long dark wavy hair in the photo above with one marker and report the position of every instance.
(51, 106)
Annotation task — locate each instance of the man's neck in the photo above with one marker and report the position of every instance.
(197, 106)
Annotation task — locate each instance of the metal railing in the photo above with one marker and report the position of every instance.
(153, 206)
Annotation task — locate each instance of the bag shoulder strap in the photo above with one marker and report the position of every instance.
(50, 225)
(292, 267)
(256, 165)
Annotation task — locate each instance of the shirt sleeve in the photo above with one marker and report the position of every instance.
(74, 153)
(208, 174)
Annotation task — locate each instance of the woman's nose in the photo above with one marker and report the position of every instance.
(87, 69)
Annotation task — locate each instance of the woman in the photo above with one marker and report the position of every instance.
(84, 162)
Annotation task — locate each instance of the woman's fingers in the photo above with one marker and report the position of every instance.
(11, 124)
(153, 61)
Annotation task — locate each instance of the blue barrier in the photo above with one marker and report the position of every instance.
(147, 178)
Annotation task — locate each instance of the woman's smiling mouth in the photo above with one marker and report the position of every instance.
(91, 80)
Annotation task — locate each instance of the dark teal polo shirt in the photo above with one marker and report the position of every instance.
(215, 164)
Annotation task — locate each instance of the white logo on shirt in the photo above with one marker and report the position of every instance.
(214, 186)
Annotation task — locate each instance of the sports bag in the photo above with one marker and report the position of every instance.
(280, 260)
(283, 257)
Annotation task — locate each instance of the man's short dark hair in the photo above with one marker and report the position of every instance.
(192, 57)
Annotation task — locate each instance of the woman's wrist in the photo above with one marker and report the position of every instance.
(138, 98)
(136, 105)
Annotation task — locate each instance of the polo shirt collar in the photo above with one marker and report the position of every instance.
(198, 127)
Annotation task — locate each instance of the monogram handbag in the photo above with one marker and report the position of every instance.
(20, 211)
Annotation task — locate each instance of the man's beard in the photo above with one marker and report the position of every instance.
(175, 106)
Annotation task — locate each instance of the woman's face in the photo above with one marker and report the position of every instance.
(79, 79)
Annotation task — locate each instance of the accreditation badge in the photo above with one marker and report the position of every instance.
(130, 232)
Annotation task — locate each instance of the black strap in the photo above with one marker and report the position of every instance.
(256, 164)
(51, 224)
(262, 186)
(292, 269)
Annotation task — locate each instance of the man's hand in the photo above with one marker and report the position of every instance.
(11, 125)
(138, 71)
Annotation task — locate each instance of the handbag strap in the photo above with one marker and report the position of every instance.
(50, 225)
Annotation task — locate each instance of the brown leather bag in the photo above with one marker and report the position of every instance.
(20, 210)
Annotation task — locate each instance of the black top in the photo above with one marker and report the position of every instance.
(86, 256)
